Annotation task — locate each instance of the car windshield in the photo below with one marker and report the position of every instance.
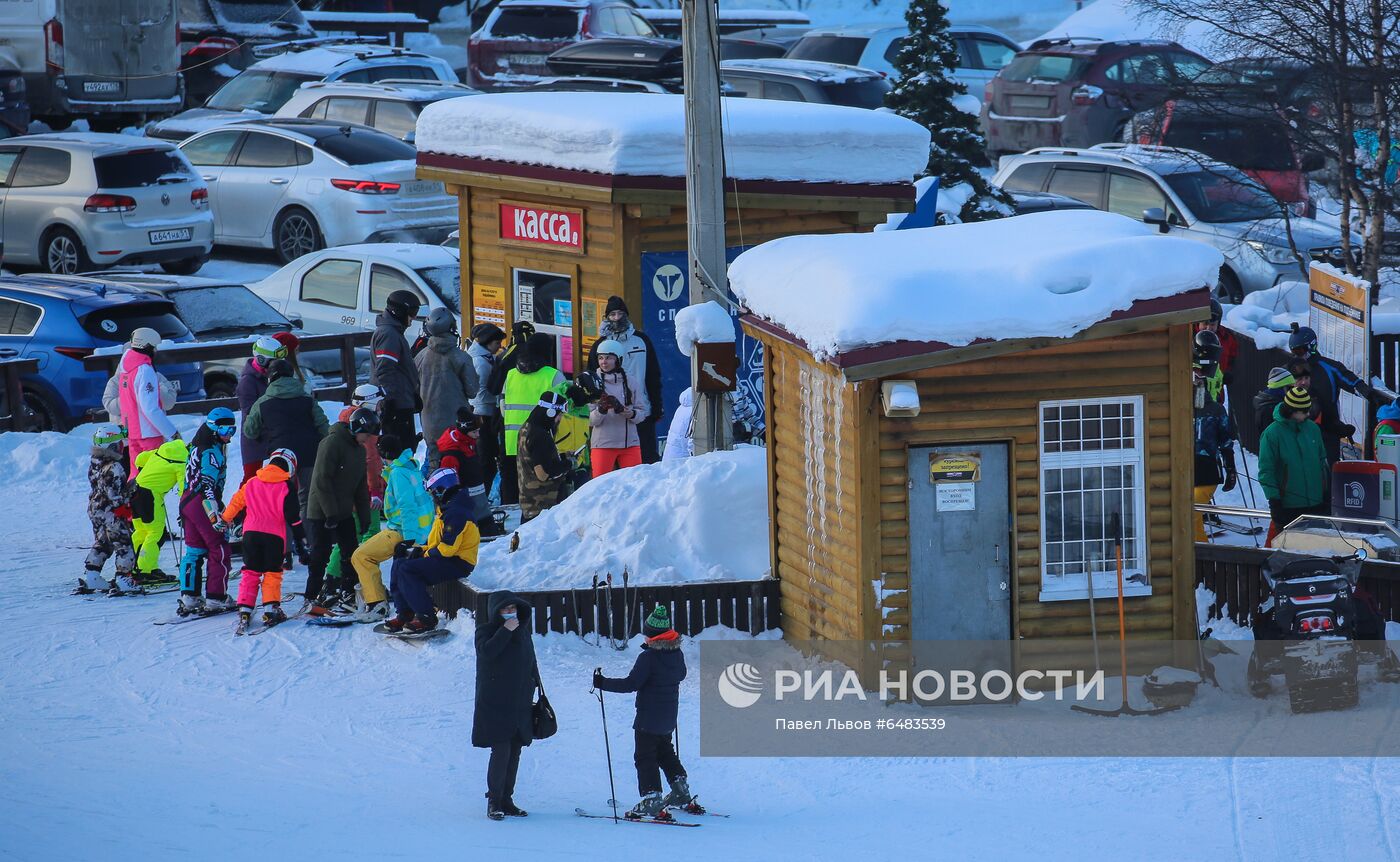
(1260, 146)
(1246, 73)
(536, 22)
(859, 93)
(829, 49)
(115, 323)
(1043, 68)
(1223, 195)
(141, 168)
(281, 14)
(446, 282)
(225, 308)
(355, 146)
(258, 90)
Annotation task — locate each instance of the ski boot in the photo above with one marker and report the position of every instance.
(420, 624)
(189, 605)
(397, 623)
(245, 617)
(681, 797)
(217, 604)
(651, 807)
(154, 577)
(494, 811)
(125, 584)
(273, 615)
(91, 582)
(513, 810)
(377, 612)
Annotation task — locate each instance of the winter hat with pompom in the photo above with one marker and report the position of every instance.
(657, 623)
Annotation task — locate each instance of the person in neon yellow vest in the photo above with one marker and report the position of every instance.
(531, 377)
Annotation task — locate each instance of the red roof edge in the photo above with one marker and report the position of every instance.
(892, 191)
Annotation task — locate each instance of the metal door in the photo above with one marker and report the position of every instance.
(546, 299)
(959, 534)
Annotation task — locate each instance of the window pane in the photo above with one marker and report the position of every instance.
(1129, 196)
(211, 149)
(1028, 178)
(333, 282)
(1082, 185)
(267, 151)
(347, 110)
(7, 161)
(992, 55)
(42, 166)
(395, 118)
(384, 281)
(781, 91)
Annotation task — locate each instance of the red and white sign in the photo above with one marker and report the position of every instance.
(531, 225)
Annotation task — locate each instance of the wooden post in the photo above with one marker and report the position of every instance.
(347, 366)
(1180, 405)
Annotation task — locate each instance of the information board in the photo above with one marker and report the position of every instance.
(1339, 311)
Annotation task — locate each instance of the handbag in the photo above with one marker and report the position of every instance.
(543, 724)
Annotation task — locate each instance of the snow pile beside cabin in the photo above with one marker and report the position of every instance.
(1049, 274)
(1266, 316)
(703, 323)
(643, 134)
(695, 519)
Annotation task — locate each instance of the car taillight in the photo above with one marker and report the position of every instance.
(987, 94)
(366, 187)
(53, 47)
(199, 197)
(1085, 94)
(1325, 622)
(583, 25)
(212, 48)
(109, 204)
(1305, 625)
(74, 352)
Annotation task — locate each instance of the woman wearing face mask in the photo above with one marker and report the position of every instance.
(506, 678)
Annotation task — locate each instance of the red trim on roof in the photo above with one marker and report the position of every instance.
(893, 191)
(1192, 299)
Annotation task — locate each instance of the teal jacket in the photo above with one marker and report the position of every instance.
(408, 509)
(1293, 463)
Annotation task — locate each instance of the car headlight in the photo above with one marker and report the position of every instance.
(1279, 254)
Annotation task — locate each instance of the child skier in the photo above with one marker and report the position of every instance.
(159, 471)
(205, 474)
(656, 678)
(268, 502)
(448, 554)
(109, 509)
(459, 450)
(408, 513)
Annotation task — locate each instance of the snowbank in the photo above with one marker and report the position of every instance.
(1266, 316)
(1045, 274)
(706, 323)
(695, 519)
(643, 134)
(1113, 20)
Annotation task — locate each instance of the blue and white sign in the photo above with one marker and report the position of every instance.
(563, 312)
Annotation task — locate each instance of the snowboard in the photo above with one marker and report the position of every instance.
(331, 622)
(411, 636)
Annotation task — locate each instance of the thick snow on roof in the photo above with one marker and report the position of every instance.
(1045, 274)
(1123, 20)
(643, 134)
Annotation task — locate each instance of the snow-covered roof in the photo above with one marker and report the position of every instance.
(96, 141)
(834, 73)
(643, 134)
(324, 59)
(1124, 20)
(1049, 274)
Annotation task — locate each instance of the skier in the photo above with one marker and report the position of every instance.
(206, 471)
(339, 499)
(1271, 396)
(1229, 344)
(369, 396)
(1207, 344)
(252, 383)
(288, 417)
(160, 471)
(109, 510)
(138, 387)
(639, 360)
(656, 678)
(393, 370)
(484, 350)
(1388, 422)
(678, 442)
(408, 513)
(447, 379)
(459, 451)
(544, 474)
(502, 714)
(521, 332)
(615, 417)
(1329, 379)
(268, 502)
(449, 553)
(1293, 463)
(1215, 437)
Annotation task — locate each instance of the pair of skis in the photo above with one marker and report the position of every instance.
(602, 594)
(666, 819)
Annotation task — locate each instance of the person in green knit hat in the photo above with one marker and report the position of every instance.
(656, 678)
(1293, 469)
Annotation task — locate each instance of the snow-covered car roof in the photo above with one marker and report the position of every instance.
(869, 30)
(407, 90)
(814, 70)
(1160, 160)
(414, 255)
(643, 134)
(570, 4)
(324, 59)
(1050, 274)
(95, 142)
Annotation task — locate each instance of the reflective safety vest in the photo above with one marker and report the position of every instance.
(519, 396)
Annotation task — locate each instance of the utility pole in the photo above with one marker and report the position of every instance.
(704, 200)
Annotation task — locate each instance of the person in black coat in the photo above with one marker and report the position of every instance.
(656, 678)
(506, 679)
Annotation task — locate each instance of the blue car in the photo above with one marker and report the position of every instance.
(60, 323)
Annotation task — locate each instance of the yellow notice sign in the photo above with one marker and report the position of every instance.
(956, 467)
(489, 304)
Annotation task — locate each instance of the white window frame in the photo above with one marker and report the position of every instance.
(1076, 586)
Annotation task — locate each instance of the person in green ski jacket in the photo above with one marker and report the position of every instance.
(1293, 467)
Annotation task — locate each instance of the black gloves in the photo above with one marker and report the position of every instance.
(1231, 479)
(402, 549)
(598, 678)
(1347, 431)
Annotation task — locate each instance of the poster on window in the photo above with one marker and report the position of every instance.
(955, 497)
(1339, 312)
(489, 305)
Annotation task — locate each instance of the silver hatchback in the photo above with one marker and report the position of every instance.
(71, 202)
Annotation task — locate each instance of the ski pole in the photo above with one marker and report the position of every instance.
(607, 746)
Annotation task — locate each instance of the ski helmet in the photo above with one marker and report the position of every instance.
(403, 304)
(286, 456)
(221, 421)
(364, 421)
(267, 348)
(108, 436)
(144, 338)
(1216, 311)
(440, 322)
(443, 483)
(1207, 347)
(279, 368)
(367, 395)
(1302, 338)
(609, 345)
(553, 403)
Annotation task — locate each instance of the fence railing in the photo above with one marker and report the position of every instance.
(16, 414)
(1235, 576)
(749, 606)
(345, 342)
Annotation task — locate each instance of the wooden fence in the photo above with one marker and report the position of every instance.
(1235, 576)
(749, 606)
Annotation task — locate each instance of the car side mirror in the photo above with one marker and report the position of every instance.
(297, 323)
(409, 138)
(1157, 216)
(1311, 161)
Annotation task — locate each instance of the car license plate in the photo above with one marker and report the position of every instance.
(421, 187)
(536, 60)
(101, 87)
(181, 234)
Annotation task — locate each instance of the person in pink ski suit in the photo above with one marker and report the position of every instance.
(138, 388)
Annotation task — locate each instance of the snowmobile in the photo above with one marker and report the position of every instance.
(1307, 630)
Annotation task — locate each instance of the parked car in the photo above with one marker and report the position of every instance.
(982, 51)
(264, 87)
(391, 107)
(219, 39)
(1257, 139)
(82, 58)
(1024, 202)
(296, 186)
(591, 84)
(219, 310)
(343, 289)
(14, 99)
(1076, 93)
(1184, 194)
(805, 81)
(60, 323)
(73, 201)
(511, 48)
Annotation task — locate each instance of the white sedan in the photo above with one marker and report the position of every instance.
(343, 289)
